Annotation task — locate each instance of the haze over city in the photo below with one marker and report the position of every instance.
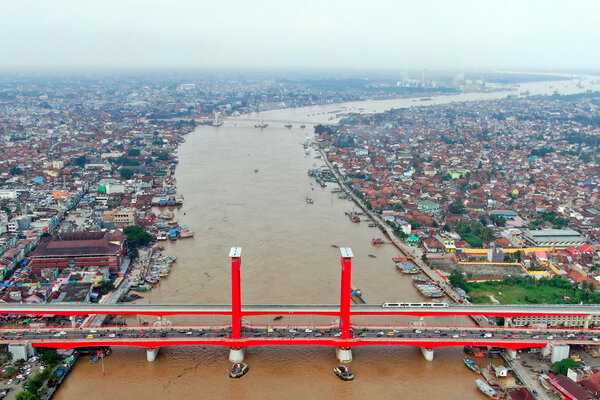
(525, 35)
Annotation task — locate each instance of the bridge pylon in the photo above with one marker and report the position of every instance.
(236, 355)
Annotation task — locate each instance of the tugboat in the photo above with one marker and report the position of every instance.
(238, 370)
(471, 365)
(343, 372)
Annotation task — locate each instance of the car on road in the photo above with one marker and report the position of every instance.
(418, 331)
(93, 331)
(189, 333)
(142, 332)
(308, 330)
(455, 336)
(112, 335)
(90, 336)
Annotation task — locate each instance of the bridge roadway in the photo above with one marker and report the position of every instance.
(301, 309)
(252, 335)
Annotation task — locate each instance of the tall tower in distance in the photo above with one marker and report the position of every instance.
(424, 77)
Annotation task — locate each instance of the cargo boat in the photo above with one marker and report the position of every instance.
(472, 365)
(377, 241)
(486, 389)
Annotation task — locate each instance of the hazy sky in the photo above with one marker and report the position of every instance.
(370, 34)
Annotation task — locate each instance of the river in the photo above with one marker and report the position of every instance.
(247, 187)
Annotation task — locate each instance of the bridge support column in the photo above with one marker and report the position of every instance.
(343, 354)
(586, 321)
(236, 296)
(152, 353)
(236, 355)
(507, 321)
(73, 321)
(345, 292)
(511, 353)
(427, 353)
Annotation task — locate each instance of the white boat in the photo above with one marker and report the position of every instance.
(162, 235)
(487, 389)
(261, 124)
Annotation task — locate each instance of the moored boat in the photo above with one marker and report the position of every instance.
(377, 241)
(162, 235)
(472, 365)
(186, 233)
(408, 268)
(486, 389)
(238, 370)
(343, 372)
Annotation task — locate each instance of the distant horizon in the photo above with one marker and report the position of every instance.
(548, 35)
(285, 73)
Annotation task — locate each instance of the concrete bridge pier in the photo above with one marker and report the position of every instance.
(152, 353)
(511, 353)
(343, 354)
(73, 321)
(236, 355)
(427, 353)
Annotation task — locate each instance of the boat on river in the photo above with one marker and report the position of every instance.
(343, 372)
(162, 235)
(487, 389)
(472, 365)
(309, 200)
(186, 233)
(408, 268)
(238, 370)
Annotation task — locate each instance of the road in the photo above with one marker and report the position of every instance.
(430, 336)
(419, 309)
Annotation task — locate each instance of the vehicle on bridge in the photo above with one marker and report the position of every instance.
(414, 305)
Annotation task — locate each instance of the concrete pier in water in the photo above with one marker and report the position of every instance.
(427, 353)
(152, 353)
(343, 354)
(236, 355)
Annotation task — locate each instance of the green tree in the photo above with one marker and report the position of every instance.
(457, 279)
(563, 366)
(50, 357)
(16, 171)
(80, 161)
(106, 286)
(133, 152)
(27, 396)
(10, 372)
(126, 173)
(456, 207)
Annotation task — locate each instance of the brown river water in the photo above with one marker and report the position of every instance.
(287, 258)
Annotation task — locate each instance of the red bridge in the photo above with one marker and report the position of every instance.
(343, 335)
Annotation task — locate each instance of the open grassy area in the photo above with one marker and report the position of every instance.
(531, 291)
